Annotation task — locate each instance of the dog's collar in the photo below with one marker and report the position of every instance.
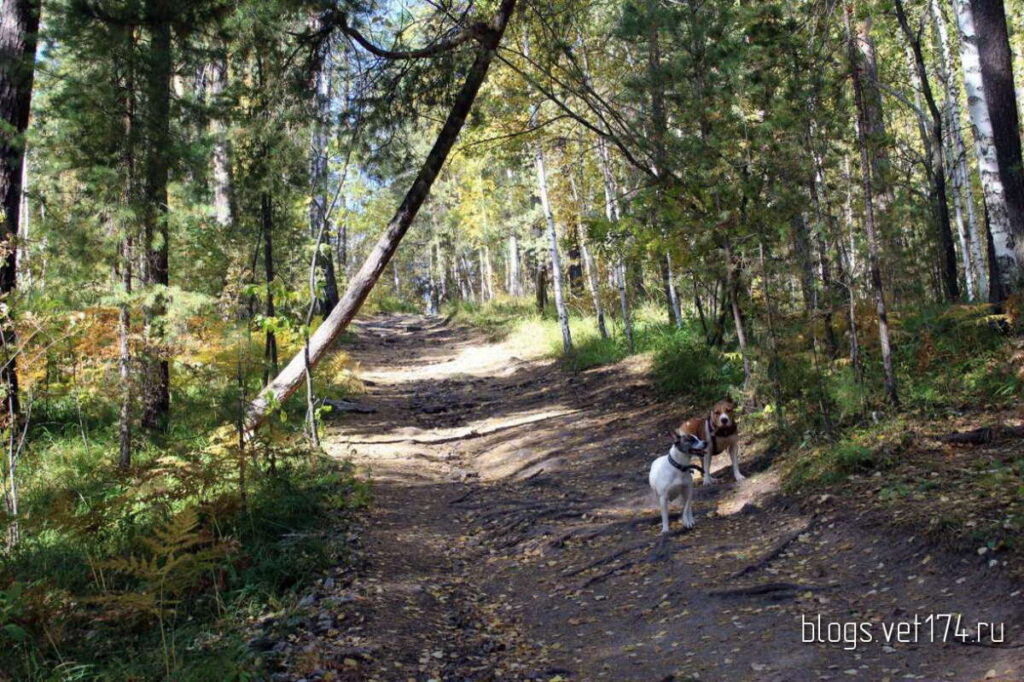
(685, 468)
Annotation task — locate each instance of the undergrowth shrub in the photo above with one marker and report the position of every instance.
(684, 366)
(153, 573)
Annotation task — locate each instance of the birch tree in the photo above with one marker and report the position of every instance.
(963, 199)
(936, 160)
(552, 235)
(859, 73)
(1003, 263)
(997, 79)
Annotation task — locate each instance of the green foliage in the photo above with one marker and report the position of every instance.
(11, 611)
(391, 304)
(863, 450)
(684, 366)
(130, 573)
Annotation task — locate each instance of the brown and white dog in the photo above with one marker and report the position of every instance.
(718, 430)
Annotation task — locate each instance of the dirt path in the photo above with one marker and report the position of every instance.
(513, 537)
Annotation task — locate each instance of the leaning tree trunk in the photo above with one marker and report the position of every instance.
(19, 23)
(1003, 267)
(936, 163)
(285, 384)
(869, 214)
(997, 80)
(556, 261)
(157, 397)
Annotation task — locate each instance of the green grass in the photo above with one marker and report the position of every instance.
(682, 363)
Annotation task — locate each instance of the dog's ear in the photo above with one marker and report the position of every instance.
(675, 435)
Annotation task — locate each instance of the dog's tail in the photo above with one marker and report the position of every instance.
(694, 466)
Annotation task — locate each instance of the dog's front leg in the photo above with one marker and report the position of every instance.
(708, 478)
(663, 501)
(734, 455)
(687, 517)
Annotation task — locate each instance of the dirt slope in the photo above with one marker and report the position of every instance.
(513, 537)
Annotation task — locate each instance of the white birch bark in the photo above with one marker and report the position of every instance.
(556, 262)
(589, 266)
(611, 207)
(981, 125)
(963, 199)
(673, 296)
(515, 284)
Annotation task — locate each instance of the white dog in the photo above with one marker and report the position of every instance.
(672, 475)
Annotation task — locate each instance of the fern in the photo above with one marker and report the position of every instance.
(179, 554)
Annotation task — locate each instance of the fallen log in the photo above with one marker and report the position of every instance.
(983, 435)
(346, 406)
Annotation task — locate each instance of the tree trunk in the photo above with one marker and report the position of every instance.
(270, 348)
(997, 79)
(123, 271)
(540, 285)
(611, 207)
(1002, 269)
(874, 118)
(675, 315)
(828, 231)
(963, 199)
(359, 288)
(627, 320)
(19, 24)
(556, 261)
(733, 284)
(124, 357)
(936, 164)
(698, 303)
(157, 400)
(318, 208)
(869, 214)
(223, 182)
(515, 282)
(482, 274)
(802, 247)
(589, 266)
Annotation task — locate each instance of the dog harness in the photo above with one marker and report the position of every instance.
(685, 468)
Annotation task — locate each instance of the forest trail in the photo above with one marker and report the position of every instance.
(513, 537)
